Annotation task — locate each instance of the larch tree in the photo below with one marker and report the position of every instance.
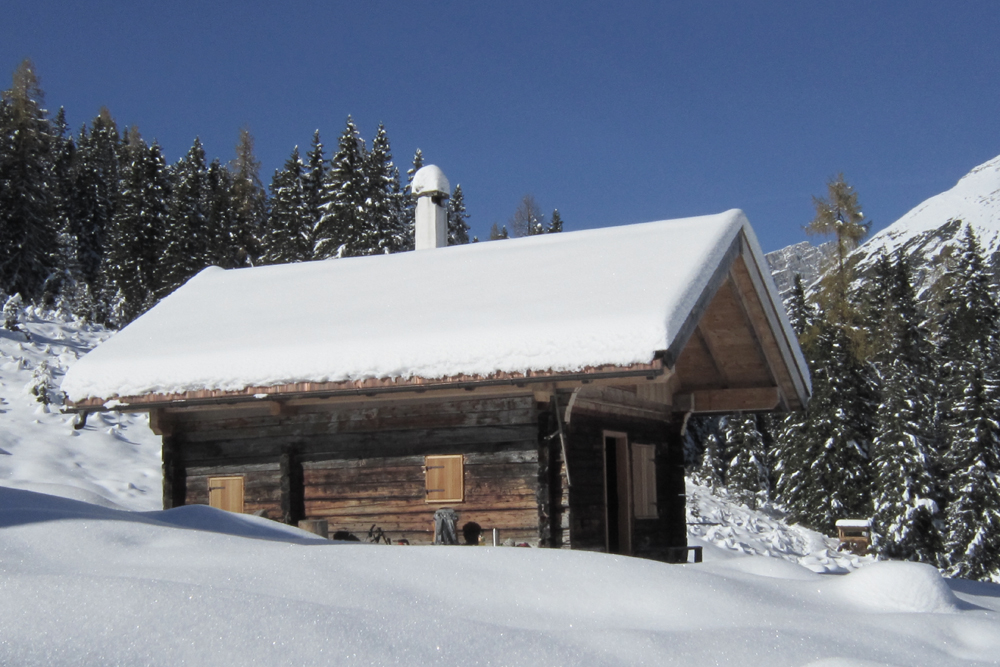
(249, 206)
(528, 219)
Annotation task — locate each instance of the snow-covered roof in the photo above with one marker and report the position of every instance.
(853, 523)
(554, 302)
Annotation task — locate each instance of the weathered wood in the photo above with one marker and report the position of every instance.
(728, 400)
(292, 487)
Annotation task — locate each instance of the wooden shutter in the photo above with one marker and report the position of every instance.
(226, 493)
(644, 481)
(445, 478)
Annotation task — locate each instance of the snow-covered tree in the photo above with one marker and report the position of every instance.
(458, 228)
(385, 208)
(826, 465)
(132, 240)
(28, 235)
(313, 188)
(555, 223)
(342, 229)
(186, 241)
(748, 476)
(289, 237)
(905, 492)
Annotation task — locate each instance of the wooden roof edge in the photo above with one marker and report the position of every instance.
(716, 281)
(367, 387)
(774, 309)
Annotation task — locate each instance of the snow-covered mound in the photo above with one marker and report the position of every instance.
(926, 233)
(87, 585)
(715, 519)
(114, 460)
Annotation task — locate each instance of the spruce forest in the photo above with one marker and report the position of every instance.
(100, 224)
(903, 426)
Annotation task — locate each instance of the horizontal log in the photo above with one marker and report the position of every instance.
(728, 400)
(400, 505)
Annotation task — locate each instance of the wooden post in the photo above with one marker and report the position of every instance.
(293, 508)
(174, 475)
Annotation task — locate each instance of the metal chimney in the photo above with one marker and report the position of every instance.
(431, 189)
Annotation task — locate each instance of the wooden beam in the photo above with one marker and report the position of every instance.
(713, 354)
(751, 399)
(160, 423)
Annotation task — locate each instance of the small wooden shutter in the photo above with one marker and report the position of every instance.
(644, 481)
(445, 478)
(226, 493)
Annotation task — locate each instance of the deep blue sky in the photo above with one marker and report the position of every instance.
(611, 112)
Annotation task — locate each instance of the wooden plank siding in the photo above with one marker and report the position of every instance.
(363, 464)
(653, 537)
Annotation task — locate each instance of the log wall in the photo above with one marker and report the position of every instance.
(587, 525)
(358, 465)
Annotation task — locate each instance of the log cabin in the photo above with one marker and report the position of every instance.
(539, 386)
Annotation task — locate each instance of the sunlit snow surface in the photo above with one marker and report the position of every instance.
(86, 584)
(114, 460)
(81, 585)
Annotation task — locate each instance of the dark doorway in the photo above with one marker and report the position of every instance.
(611, 493)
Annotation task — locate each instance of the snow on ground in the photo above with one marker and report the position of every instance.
(715, 519)
(86, 583)
(114, 460)
(81, 584)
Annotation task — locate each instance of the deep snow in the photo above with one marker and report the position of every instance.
(87, 585)
(84, 583)
(551, 302)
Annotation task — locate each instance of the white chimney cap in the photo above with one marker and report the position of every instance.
(430, 180)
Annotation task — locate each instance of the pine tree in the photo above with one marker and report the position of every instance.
(972, 544)
(289, 237)
(969, 412)
(409, 203)
(228, 243)
(498, 233)
(131, 256)
(67, 280)
(907, 497)
(28, 235)
(385, 228)
(748, 476)
(95, 199)
(313, 186)
(555, 223)
(712, 471)
(826, 465)
(458, 228)
(186, 241)
(341, 231)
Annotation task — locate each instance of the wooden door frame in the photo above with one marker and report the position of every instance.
(623, 467)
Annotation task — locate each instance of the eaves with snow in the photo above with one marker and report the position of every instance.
(618, 299)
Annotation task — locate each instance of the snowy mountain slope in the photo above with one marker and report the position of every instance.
(926, 234)
(113, 461)
(804, 259)
(85, 585)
